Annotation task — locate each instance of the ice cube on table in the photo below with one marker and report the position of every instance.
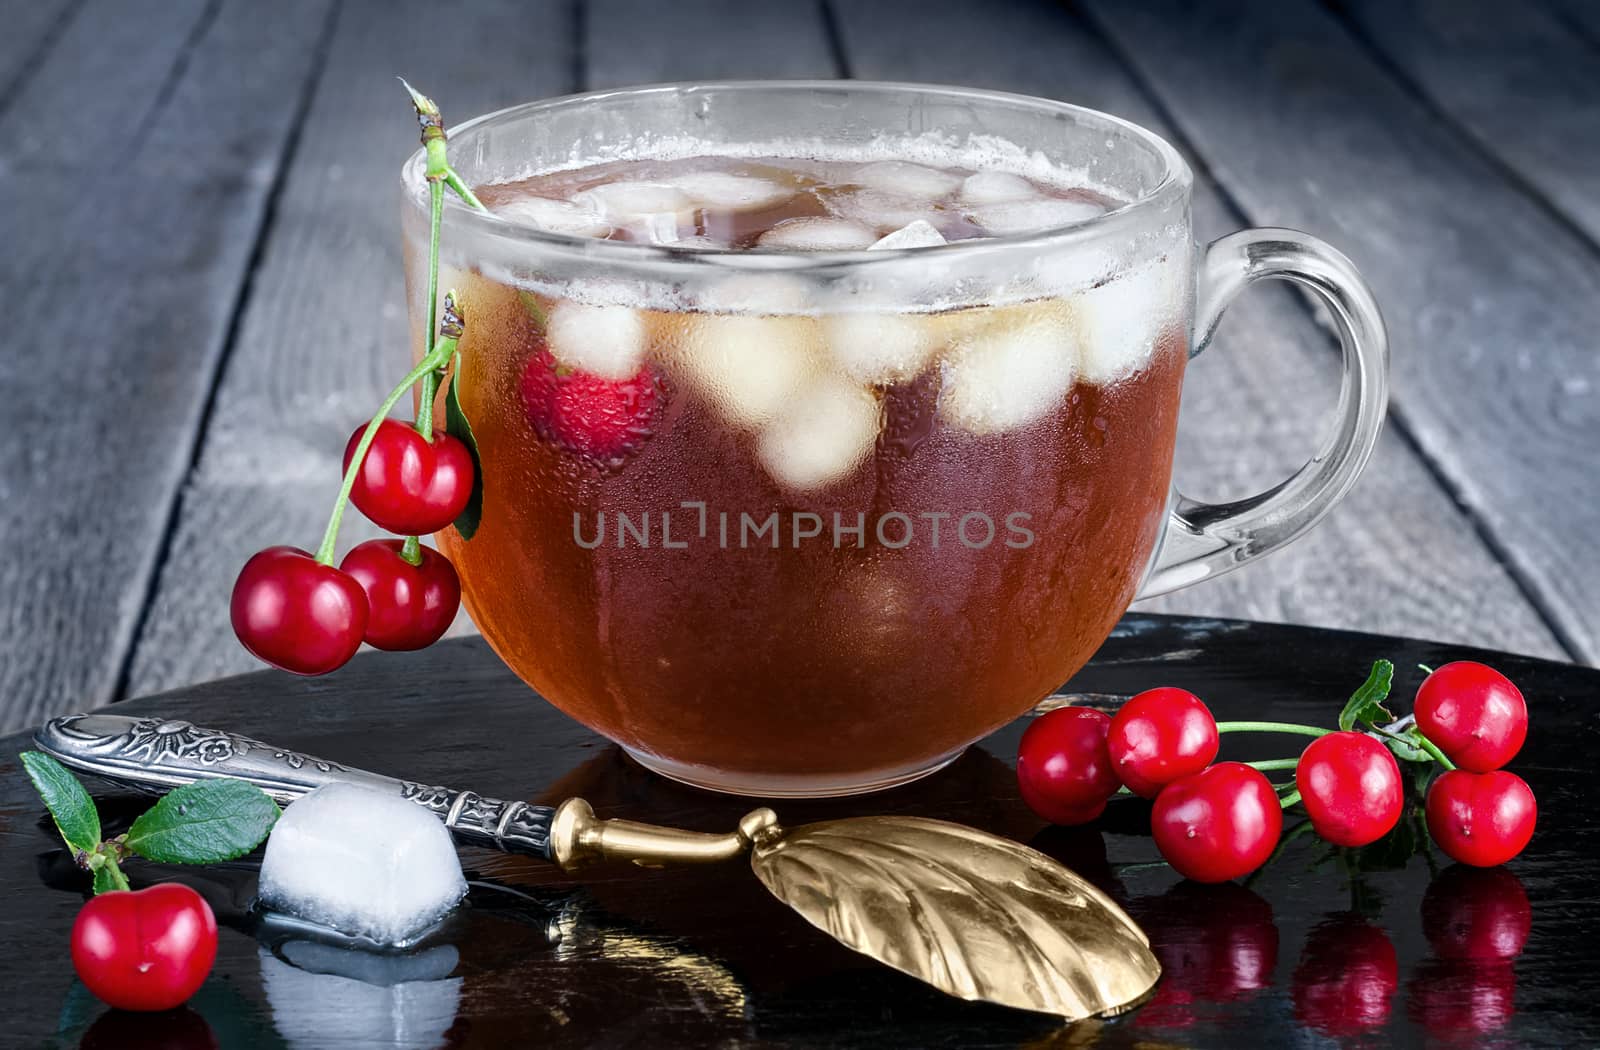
(817, 235)
(726, 191)
(874, 348)
(1120, 321)
(997, 187)
(1046, 213)
(820, 434)
(362, 862)
(919, 233)
(906, 179)
(748, 366)
(554, 216)
(605, 341)
(1011, 371)
(312, 1008)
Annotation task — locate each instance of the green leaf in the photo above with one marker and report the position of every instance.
(1366, 703)
(204, 823)
(456, 425)
(69, 804)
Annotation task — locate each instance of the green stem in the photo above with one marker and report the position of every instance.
(1265, 765)
(432, 362)
(118, 880)
(430, 382)
(1290, 799)
(1271, 727)
(455, 182)
(411, 550)
(1433, 749)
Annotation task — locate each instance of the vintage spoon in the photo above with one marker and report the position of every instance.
(972, 914)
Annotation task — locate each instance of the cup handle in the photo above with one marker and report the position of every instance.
(1206, 539)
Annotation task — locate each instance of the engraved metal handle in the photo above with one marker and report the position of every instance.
(154, 754)
(1204, 539)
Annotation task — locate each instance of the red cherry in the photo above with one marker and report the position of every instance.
(407, 485)
(1351, 788)
(1346, 978)
(603, 419)
(408, 606)
(1476, 913)
(295, 613)
(1482, 819)
(145, 950)
(1063, 769)
(1218, 824)
(1457, 997)
(1474, 714)
(1161, 735)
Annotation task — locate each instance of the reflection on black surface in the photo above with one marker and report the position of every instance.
(1217, 944)
(180, 1029)
(1476, 913)
(320, 1009)
(1476, 921)
(1346, 978)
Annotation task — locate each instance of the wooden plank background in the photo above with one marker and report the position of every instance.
(204, 277)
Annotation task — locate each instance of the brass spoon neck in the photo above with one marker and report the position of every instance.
(578, 837)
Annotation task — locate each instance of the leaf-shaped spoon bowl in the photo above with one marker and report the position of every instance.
(975, 915)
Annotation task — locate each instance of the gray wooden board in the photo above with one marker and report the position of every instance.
(31, 28)
(1396, 556)
(323, 335)
(122, 279)
(644, 41)
(1493, 305)
(1514, 77)
(86, 105)
(1582, 16)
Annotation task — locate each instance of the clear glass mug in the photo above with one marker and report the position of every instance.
(881, 503)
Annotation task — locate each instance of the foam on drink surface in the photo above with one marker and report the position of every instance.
(748, 342)
(738, 203)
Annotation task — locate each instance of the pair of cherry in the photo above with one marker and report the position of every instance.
(300, 613)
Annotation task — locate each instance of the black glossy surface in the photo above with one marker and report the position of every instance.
(1306, 955)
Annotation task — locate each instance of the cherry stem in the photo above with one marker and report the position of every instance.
(1265, 765)
(1433, 749)
(1272, 727)
(411, 550)
(439, 174)
(1290, 799)
(435, 359)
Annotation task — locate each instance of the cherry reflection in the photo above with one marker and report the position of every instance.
(1217, 944)
(180, 1029)
(1477, 921)
(1346, 978)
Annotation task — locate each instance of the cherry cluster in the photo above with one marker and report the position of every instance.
(297, 610)
(304, 615)
(1215, 821)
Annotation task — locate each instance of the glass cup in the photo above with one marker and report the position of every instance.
(872, 505)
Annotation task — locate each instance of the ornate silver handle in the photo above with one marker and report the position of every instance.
(156, 755)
